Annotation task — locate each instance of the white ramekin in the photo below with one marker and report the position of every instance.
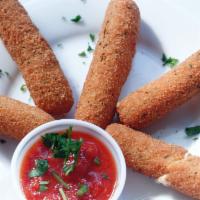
(59, 125)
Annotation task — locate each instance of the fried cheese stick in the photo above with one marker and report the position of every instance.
(17, 118)
(35, 59)
(170, 164)
(111, 63)
(154, 100)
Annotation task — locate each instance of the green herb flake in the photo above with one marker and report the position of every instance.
(59, 179)
(169, 61)
(67, 169)
(76, 19)
(196, 138)
(40, 168)
(97, 161)
(23, 88)
(83, 189)
(92, 37)
(82, 54)
(4, 73)
(89, 49)
(191, 131)
(62, 193)
(105, 176)
(43, 186)
(7, 74)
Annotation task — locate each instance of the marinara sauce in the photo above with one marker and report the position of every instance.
(93, 177)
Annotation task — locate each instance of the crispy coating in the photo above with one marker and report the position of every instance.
(143, 153)
(171, 165)
(37, 62)
(17, 119)
(111, 63)
(156, 99)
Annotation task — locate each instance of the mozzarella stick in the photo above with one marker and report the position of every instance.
(111, 63)
(35, 59)
(17, 119)
(156, 99)
(169, 164)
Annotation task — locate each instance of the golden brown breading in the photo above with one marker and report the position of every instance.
(111, 63)
(143, 153)
(156, 99)
(37, 62)
(17, 118)
(171, 165)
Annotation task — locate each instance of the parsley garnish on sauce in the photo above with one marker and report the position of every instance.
(76, 19)
(82, 190)
(62, 193)
(40, 168)
(97, 161)
(59, 179)
(63, 146)
(191, 131)
(43, 186)
(105, 176)
(92, 37)
(169, 61)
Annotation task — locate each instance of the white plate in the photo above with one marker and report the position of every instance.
(166, 27)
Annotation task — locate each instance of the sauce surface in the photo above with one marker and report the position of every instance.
(95, 172)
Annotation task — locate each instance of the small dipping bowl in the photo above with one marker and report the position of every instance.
(62, 125)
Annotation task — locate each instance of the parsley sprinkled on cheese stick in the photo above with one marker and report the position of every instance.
(17, 118)
(170, 165)
(35, 59)
(154, 100)
(111, 63)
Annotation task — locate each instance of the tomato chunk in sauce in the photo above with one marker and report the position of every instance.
(93, 177)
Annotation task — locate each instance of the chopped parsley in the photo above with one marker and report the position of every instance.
(63, 146)
(82, 54)
(196, 138)
(4, 73)
(191, 131)
(97, 161)
(105, 176)
(59, 179)
(82, 190)
(62, 193)
(23, 88)
(92, 37)
(76, 19)
(67, 169)
(43, 186)
(89, 49)
(169, 61)
(40, 168)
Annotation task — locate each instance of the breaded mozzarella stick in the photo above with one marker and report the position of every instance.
(35, 59)
(111, 63)
(17, 118)
(171, 165)
(156, 99)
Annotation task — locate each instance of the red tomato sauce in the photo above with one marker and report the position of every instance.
(100, 178)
